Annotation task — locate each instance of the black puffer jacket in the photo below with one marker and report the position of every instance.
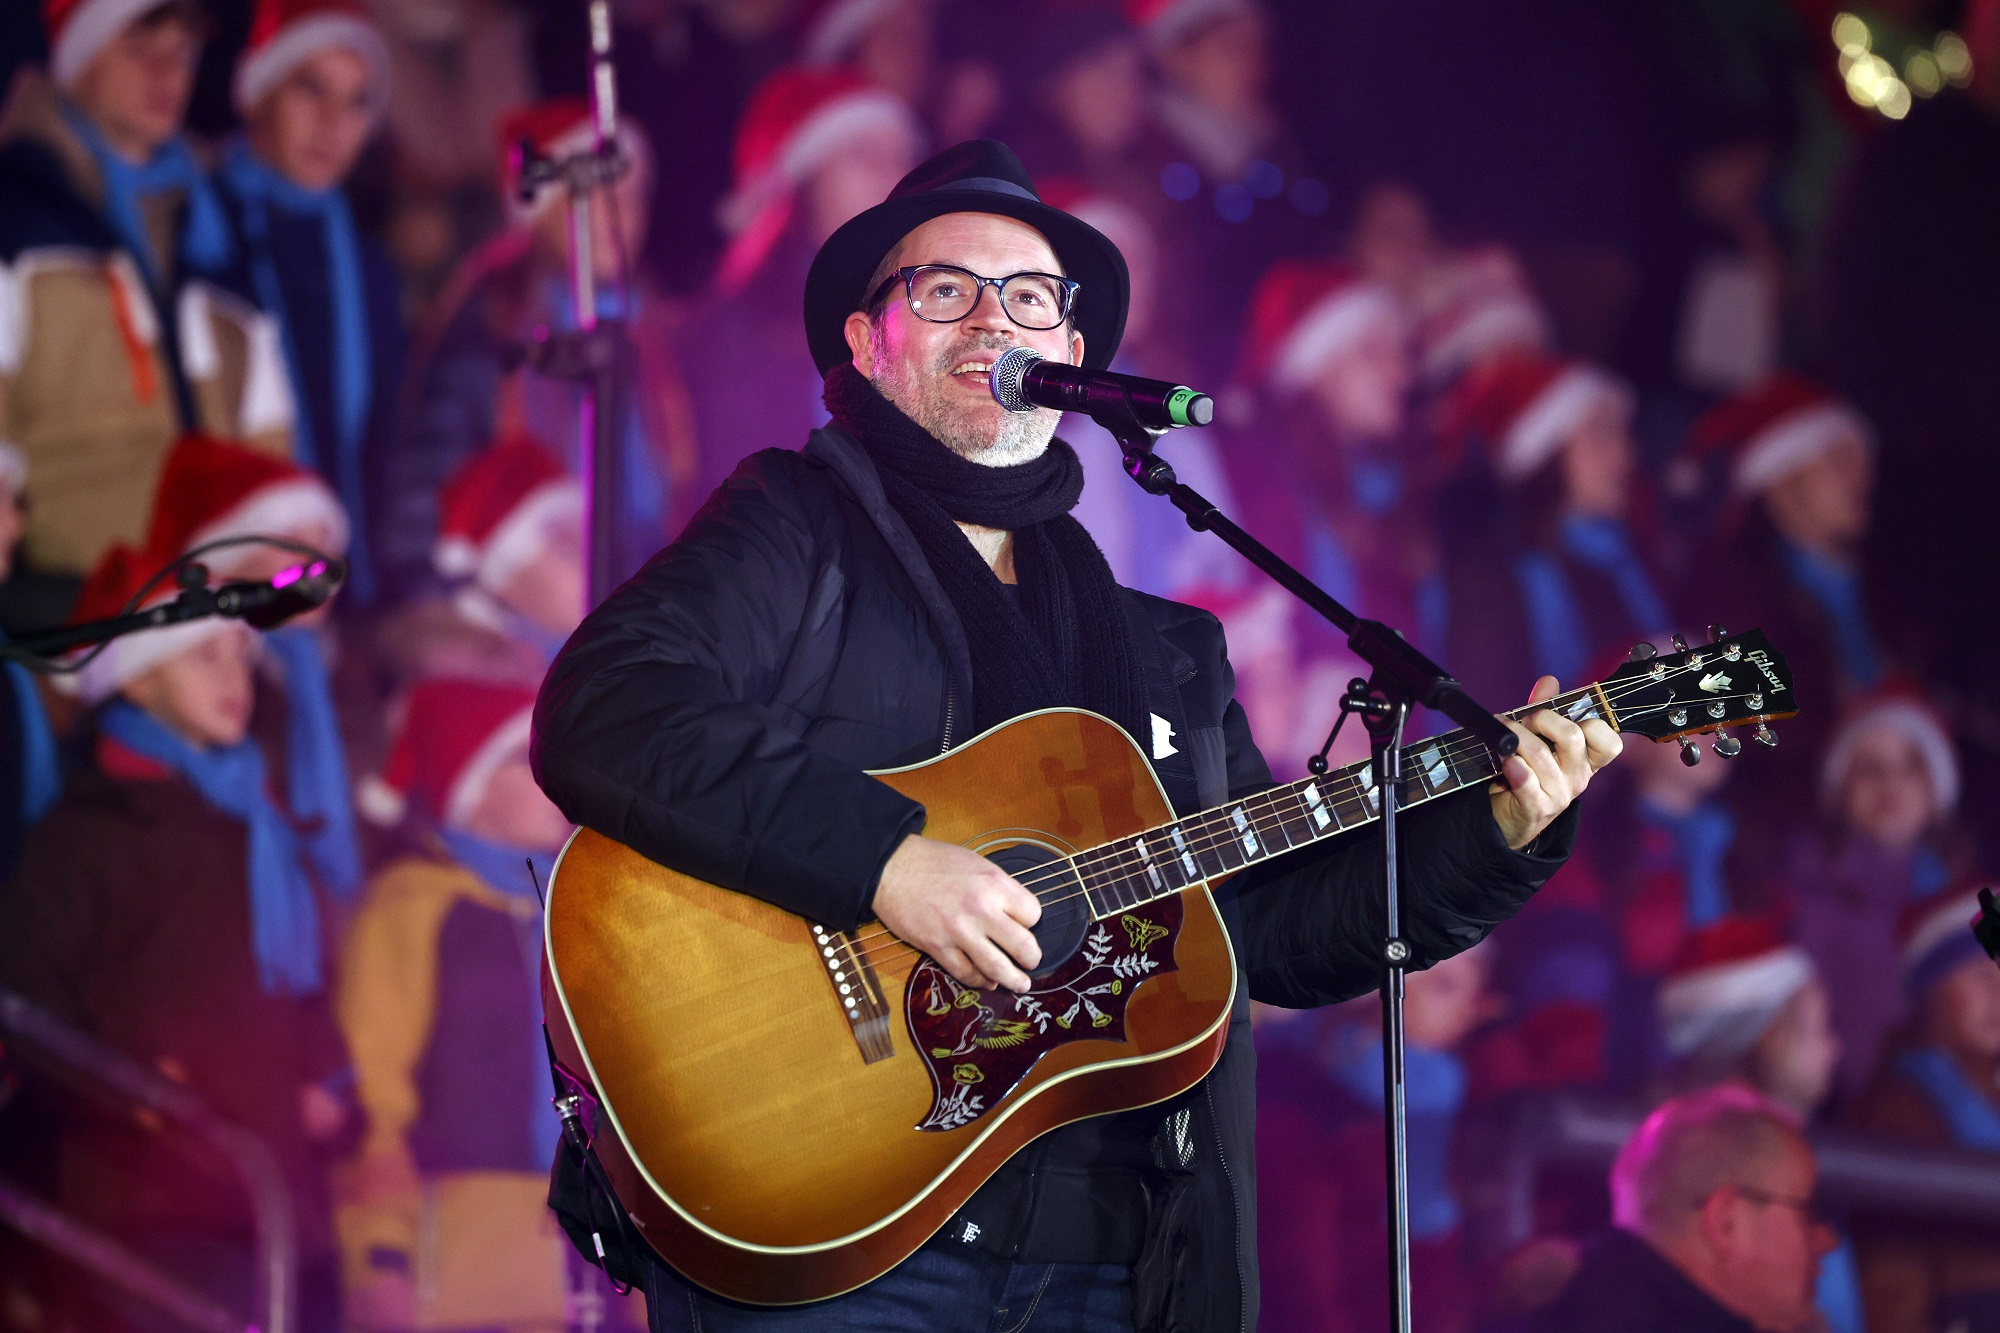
(717, 712)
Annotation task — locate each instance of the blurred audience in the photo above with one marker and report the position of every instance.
(1938, 1088)
(312, 86)
(815, 148)
(511, 544)
(167, 906)
(116, 337)
(1714, 1226)
(1554, 576)
(30, 769)
(1888, 838)
(471, 381)
(444, 1221)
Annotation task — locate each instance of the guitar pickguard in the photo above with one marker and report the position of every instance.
(979, 1044)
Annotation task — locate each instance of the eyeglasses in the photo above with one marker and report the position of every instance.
(945, 294)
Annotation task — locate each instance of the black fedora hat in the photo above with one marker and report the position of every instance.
(978, 176)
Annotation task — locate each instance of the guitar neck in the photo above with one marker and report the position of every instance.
(1121, 875)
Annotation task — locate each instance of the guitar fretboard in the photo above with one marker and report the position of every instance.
(1120, 875)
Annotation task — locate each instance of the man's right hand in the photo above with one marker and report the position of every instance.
(961, 909)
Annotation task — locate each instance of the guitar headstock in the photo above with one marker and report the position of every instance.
(1735, 680)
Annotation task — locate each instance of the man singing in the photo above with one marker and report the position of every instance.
(906, 581)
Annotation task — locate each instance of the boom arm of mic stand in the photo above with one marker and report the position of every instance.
(1399, 670)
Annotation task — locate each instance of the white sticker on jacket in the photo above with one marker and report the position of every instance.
(1163, 737)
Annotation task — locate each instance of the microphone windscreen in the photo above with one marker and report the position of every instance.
(1007, 376)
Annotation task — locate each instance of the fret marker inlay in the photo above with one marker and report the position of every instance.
(1243, 831)
(1187, 860)
(1317, 806)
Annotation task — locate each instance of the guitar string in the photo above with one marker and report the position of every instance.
(1095, 863)
(1093, 868)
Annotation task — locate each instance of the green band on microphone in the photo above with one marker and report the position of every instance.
(1177, 405)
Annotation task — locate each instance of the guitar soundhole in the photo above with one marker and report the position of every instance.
(1065, 911)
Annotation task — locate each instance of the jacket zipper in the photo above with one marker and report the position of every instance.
(1236, 1215)
(950, 707)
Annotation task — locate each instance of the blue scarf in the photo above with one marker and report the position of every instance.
(1837, 1293)
(284, 918)
(204, 232)
(261, 188)
(317, 784)
(1836, 586)
(1560, 640)
(1970, 1116)
(499, 866)
(1702, 839)
(41, 770)
(1434, 1090)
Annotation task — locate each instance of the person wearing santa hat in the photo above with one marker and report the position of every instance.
(1886, 835)
(312, 87)
(510, 545)
(120, 329)
(1793, 465)
(1554, 576)
(212, 491)
(30, 769)
(1940, 1089)
(890, 43)
(439, 997)
(168, 906)
(467, 385)
(815, 147)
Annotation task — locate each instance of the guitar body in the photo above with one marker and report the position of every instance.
(775, 1145)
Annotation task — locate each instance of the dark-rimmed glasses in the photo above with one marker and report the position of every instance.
(945, 294)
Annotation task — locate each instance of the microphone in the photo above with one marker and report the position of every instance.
(1023, 380)
(290, 593)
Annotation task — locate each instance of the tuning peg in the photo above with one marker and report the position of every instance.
(1766, 737)
(1690, 752)
(1642, 652)
(1680, 644)
(1728, 746)
(1716, 634)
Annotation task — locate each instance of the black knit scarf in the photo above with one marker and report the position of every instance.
(1067, 642)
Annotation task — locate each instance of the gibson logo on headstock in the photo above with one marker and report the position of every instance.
(1762, 661)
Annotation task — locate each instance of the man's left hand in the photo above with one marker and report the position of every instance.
(1551, 769)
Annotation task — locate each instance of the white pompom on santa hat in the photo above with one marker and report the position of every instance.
(1775, 427)
(456, 736)
(1305, 314)
(118, 577)
(1727, 985)
(499, 512)
(1524, 409)
(1897, 706)
(284, 34)
(211, 490)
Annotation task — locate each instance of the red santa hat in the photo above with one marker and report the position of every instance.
(1936, 935)
(1775, 427)
(1165, 22)
(456, 735)
(1524, 409)
(1480, 307)
(211, 489)
(117, 578)
(1726, 986)
(557, 128)
(795, 120)
(79, 29)
(1900, 707)
(496, 512)
(1307, 313)
(284, 34)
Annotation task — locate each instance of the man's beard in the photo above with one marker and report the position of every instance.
(967, 429)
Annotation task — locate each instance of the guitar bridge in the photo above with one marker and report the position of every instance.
(859, 992)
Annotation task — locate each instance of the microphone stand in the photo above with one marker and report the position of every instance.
(598, 353)
(1400, 677)
(234, 601)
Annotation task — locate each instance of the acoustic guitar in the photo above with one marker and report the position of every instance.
(787, 1111)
